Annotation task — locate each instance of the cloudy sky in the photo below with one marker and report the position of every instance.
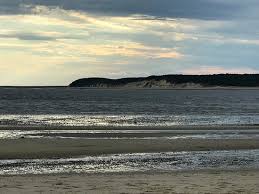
(53, 42)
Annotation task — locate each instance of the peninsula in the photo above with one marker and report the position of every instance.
(172, 81)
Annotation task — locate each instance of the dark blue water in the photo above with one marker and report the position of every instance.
(83, 107)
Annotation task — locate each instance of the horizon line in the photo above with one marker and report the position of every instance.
(63, 86)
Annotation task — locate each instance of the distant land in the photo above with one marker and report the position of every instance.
(172, 81)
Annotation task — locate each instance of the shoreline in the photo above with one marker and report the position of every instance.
(133, 88)
(165, 88)
(149, 172)
(204, 181)
(175, 127)
(67, 148)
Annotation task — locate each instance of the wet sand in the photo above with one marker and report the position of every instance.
(182, 128)
(203, 181)
(243, 181)
(63, 148)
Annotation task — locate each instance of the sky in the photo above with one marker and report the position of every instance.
(54, 42)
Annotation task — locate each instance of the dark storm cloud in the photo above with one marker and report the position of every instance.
(196, 9)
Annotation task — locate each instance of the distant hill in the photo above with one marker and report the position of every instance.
(173, 81)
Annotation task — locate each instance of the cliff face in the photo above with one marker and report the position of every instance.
(172, 81)
(160, 84)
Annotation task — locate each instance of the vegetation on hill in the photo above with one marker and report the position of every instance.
(223, 80)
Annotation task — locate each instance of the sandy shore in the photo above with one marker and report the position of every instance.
(60, 148)
(174, 182)
(216, 181)
(182, 128)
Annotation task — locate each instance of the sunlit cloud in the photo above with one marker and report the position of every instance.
(63, 40)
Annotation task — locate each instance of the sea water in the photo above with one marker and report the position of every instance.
(58, 112)
(115, 107)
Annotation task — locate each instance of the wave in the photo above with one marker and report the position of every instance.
(127, 120)
(170, 161)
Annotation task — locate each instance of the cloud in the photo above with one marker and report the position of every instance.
(218, 70)
(37, 36)
(61, 40)
(27, 36)
(131, 49)
(114, 48)
(198, 9)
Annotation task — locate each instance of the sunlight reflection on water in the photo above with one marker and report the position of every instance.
(126, 120)
(170, 161)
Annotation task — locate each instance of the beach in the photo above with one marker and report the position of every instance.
(127, 141)
(129, 97)
(63, 148)
(188, 160)
(242, 181)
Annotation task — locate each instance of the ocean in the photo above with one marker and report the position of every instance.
(147, 115)
(114, 107)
